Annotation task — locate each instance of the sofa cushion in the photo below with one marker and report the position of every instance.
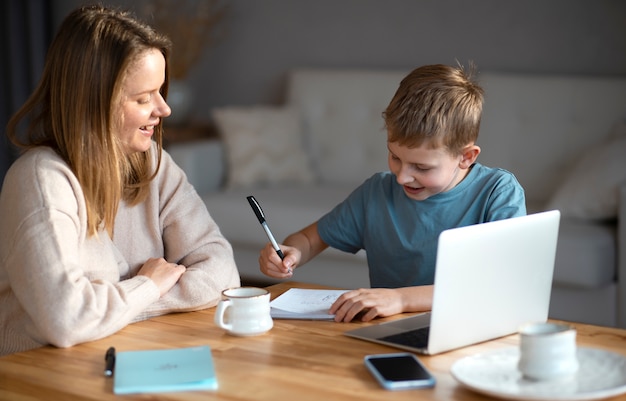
(287, 209)
(590, 189)
(263, 146)
(533, 125)
(202, 161)
(343, 128)
(586, 255)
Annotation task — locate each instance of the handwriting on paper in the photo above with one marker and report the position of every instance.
(306, 301)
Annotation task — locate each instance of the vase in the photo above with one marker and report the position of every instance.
(179, 98)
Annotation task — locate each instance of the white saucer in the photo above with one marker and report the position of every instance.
(601, 374)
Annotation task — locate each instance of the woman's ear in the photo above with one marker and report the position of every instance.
(469, 155)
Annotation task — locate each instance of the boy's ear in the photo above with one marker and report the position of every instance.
(469, 155)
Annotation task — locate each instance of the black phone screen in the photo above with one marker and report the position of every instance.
(400, 368)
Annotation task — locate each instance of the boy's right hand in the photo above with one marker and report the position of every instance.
(271, 264)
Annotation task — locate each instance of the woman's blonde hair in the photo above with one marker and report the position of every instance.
(438, 105)
(75, 108)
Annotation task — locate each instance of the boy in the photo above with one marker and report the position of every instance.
(434, 184)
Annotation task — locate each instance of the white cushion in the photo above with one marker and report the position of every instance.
(535, 125)
(343, 127)
(590, 189)
(263, 146)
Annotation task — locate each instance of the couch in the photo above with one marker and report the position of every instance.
(564, 137)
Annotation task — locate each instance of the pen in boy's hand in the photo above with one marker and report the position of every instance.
(259, 214)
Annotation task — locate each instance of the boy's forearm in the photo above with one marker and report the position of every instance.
(299, 240)
(307, 241)
(418, 298)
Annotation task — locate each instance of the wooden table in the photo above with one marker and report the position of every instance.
(296, 360)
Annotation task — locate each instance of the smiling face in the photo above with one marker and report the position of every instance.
(142, 104)
(424, 171)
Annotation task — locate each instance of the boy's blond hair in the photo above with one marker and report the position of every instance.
(436, 105)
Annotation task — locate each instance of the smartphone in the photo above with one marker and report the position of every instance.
(399, 371)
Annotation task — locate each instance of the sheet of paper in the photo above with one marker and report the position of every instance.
(281, 314)
(305, 303)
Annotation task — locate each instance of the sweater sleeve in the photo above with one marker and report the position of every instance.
(65, 287)
(179, 221)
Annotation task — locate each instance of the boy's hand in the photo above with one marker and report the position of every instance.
(369, 303)
(271, 264)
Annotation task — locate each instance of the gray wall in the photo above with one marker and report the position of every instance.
(267, 38)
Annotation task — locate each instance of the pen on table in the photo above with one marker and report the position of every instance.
(259, 215)
(109, 359)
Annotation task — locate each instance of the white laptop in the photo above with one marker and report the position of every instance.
(490, 279)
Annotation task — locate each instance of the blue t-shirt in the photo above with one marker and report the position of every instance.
(400, 234)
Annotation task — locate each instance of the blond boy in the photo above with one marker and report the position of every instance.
(434, 183)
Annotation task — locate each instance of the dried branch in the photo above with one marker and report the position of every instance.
(192, 25)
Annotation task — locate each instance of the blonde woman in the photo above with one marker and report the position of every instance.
(100, 228)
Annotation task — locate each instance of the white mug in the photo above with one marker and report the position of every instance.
(244, 311)
(547, 351)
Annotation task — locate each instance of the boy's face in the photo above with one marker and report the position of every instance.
(424, 172)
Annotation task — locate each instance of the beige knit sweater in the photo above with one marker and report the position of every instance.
(60, 287)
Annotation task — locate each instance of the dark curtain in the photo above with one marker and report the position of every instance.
(25, 33)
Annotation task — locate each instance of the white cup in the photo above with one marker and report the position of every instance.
(244, 311)
(547, 351)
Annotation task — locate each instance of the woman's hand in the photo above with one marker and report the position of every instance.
(164, 274)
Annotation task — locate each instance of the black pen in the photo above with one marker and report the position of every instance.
(259, 215)
(109, 358)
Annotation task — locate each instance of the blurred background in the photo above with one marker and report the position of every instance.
(244, 57)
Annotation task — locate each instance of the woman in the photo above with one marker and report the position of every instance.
(100, 228)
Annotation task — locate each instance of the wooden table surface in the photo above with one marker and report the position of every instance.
(296, 360)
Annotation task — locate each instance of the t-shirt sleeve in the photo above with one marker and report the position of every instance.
(507, 198)
(342, 228)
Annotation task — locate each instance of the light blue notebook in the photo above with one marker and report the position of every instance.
(155, 371)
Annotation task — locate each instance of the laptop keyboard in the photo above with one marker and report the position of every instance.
(417, 338)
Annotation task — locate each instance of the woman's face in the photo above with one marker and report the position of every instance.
(142, 103)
